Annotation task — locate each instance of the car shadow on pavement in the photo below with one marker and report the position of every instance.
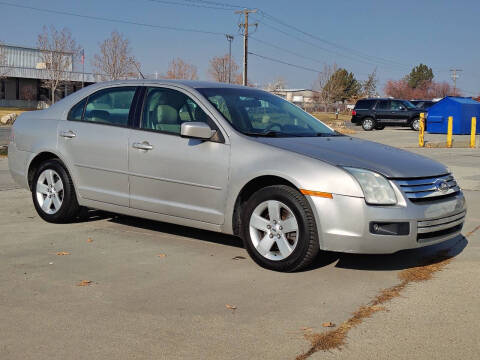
(403, 259)
(379, 262)
(179, 230)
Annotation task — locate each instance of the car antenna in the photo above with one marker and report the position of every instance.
(138, 69)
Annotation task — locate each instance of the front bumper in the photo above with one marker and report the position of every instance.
(344, 223)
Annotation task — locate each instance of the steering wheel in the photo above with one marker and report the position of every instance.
(271, 126)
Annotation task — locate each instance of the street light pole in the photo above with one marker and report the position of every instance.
(229, 39)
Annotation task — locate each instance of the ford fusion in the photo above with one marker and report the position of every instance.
(235, 160)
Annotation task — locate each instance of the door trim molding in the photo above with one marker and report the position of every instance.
(150, 177)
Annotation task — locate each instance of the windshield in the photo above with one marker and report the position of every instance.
(409, 105)
(259, 113)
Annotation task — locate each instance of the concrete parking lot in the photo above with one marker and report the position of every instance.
(4, 134)
(159, 291)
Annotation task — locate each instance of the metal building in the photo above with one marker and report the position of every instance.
(24, 72)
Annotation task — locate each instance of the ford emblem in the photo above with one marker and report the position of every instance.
(442, 186)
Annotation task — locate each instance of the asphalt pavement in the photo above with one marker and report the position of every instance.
(4, 134)
(161, 291)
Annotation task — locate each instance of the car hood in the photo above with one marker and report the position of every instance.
(349, 151)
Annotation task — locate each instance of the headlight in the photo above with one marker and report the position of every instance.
(376, 188)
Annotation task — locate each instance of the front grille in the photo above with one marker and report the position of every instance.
(429, 189)
(432, 228)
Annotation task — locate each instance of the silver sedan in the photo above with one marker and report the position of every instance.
(235, 160)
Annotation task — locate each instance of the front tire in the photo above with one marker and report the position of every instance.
(368, 124)
(415, 124)
(53, 193)
(279, 230)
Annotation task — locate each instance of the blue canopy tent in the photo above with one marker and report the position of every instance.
(461, 108)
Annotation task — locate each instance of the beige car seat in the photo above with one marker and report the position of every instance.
(166, 119)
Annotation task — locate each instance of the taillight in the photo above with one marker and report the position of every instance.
(354, 112)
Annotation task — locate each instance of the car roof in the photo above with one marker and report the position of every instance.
(383, 99)
(60, 108)
(196, 84)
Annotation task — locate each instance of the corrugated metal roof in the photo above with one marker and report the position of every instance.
(18, 56)
(42, 74)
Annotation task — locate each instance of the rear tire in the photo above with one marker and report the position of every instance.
(53, 193)
(368, 124)
(379, 127)
(279, 230)
(415, 124)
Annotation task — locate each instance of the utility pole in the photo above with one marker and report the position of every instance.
(244, 29)
(83, 67)
(454, 78)
(229, 39)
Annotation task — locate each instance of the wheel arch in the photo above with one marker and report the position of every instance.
(40, 158)
(249, 189)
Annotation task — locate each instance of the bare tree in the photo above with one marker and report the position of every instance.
(179, 69)
(369, 86)
(277, 84)
(115, 60)
(219, 67)
(328, 90)
(57, 52)
(3, 62)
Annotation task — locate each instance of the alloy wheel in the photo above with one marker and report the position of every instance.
(274, 230)
(49, 191)
(368, 124)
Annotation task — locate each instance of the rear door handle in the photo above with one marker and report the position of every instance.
(142, 146)
(68, 134)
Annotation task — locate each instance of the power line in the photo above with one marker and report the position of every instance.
(217, 4)
(359, 53)
(284, 62)
(287, 50)
(321, 47)
(128, 22)
(191, 4)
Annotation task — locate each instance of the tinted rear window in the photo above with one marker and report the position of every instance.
(364, 104)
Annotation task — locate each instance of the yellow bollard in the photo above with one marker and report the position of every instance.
(473, 132)
(421, 132)
(449, 131)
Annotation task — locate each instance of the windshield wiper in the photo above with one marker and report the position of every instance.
(265, 134)
(336, 133)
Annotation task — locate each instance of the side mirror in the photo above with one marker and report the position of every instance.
(196, 130)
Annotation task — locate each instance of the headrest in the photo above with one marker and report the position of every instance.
(99, 115)
(167, 114)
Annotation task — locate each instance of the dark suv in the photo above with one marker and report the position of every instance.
(378, 113)
(423, 104)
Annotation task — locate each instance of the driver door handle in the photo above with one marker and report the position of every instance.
(68, 134)
(142, 146)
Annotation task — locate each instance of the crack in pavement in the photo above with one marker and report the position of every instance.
(336, 338)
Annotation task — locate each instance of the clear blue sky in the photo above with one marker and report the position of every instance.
(360, 35)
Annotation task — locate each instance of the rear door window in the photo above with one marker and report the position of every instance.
(364, 104)
(383, 105)
(110, 106)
